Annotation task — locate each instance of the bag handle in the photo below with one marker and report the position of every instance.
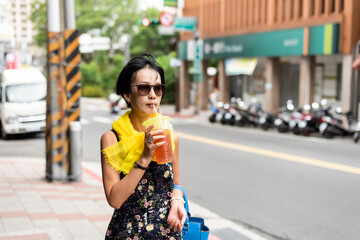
(186, 224)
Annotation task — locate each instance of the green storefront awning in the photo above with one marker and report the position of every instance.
(322, 39)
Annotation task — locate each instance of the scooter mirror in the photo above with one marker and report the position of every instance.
(323, 102)
(289, 101)
(338, 110)
(306, 107)
(315, 105)
(290, 106)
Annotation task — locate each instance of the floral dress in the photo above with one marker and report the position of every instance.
(144, 214)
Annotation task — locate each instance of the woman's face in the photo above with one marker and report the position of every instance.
(144, 104)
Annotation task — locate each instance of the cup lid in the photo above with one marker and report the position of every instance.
(158, 122)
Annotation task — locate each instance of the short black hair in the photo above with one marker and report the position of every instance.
(128, 73)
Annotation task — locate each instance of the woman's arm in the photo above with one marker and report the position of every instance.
(118, 191)
(176, 168)
(177, 214)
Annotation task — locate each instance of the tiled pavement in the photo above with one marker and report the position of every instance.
(32, 208)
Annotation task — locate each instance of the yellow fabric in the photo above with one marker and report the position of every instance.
(123, 154)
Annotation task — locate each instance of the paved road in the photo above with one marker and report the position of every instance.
(280, 185)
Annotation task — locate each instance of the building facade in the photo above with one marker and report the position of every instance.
(6, 30)
(23, 27)
(303, 50)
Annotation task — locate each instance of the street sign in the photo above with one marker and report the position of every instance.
(170, 3)
(175, 62)
(90, 44)
(197, 61)
(185, 24)
(166, 30)
(166, 19)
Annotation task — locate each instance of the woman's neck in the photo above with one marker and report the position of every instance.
(137, 119)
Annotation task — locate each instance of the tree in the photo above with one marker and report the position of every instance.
(148, 39)
(113, 18)
(38, 17)
(164, 61)
(110, 18)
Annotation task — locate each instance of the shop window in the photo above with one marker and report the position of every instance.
(322, 6)
(338, 81)
(312, 7)
(333, 6)
(255, 83)
(291, 9)
(341, 5)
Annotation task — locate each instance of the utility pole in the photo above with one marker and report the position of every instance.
(197, 69)
(63, 87)
(73, 90)
(56, 149)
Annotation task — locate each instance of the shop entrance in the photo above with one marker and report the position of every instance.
(237, 85)
(289, 83)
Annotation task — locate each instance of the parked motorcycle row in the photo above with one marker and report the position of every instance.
(319, 118)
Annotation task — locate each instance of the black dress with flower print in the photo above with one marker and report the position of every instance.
(144, 214)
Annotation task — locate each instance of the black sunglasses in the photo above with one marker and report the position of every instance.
(144, 89)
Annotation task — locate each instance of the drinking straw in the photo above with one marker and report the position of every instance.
(157, 115)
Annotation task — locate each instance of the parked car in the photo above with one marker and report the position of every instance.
(22, 101)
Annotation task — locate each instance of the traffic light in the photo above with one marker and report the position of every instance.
(146, 22)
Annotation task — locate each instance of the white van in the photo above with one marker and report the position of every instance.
(22, 101)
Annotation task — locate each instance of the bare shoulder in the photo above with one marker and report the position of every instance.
(107, 139)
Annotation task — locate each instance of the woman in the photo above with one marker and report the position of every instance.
(140, 190)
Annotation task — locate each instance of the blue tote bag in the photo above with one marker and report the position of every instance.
(194, 227)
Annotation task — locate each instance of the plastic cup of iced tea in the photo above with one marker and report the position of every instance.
(163, 154)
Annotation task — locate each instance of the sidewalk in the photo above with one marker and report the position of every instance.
(33, 209)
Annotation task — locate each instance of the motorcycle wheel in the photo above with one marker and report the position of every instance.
(212, 118)
(356, 137)
(283, 129)
(328, 135)
(296, 130)
(232, 121)
(265, 127)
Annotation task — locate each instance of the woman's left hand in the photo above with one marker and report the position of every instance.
(177, 215)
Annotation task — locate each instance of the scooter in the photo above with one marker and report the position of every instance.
(248, 115)
(356, 136)
(114, 107)
(114, 103)
(332, 126)
(266, 120)
(217, 113)
(282, 122)
(307, 120)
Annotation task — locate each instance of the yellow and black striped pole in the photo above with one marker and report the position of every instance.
(73, 89)
(63, 89)
(73, 75)
(56, 101)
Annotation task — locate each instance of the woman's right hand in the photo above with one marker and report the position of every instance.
(152, 142)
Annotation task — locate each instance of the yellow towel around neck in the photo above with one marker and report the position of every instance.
(123, 154)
